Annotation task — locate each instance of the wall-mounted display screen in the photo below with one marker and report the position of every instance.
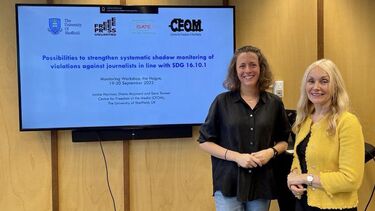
(88, 66)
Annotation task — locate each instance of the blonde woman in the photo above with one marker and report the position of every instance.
(328, 162)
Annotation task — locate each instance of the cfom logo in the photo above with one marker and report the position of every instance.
(178, 25)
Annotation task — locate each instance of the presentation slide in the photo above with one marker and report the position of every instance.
(102, 66)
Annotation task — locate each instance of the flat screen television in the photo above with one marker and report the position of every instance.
(96, 66)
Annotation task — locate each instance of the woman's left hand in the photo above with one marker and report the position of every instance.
(264, 155)
(297, 190)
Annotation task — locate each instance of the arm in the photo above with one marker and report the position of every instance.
(296, 181)
(209, 132)
(267, 154)
(294, 178)
(280, 134)
(244, 160)
(281, 146)
(349, 175)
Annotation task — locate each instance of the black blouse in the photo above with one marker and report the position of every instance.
(301, 152)
(232, 124)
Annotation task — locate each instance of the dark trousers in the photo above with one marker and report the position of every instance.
(301, 205)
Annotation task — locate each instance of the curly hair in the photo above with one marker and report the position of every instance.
(232, 81)
(339, 97)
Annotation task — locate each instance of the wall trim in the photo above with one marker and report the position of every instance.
(320, 25)
(55, 170)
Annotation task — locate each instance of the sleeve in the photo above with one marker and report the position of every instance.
(283, 127)
(349, 176)
(208, 130)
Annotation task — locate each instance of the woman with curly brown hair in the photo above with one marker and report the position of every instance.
(245, 128)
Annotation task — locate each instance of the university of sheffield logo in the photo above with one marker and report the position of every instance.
(54, 25)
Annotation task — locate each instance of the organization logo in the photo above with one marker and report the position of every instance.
(57, 25)
(106, 28)
(143, 27)
(186, 26)
(54, 25)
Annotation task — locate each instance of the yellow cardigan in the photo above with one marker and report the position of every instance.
(337, 159)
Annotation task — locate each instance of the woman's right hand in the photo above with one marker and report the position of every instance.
(294, 184)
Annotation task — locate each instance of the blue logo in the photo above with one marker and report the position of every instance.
(54, 25)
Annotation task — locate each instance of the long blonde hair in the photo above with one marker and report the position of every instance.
(339, 96)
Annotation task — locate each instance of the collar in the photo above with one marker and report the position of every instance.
(263, 97)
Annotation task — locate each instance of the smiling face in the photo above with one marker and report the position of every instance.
(248, 69)
(318, 87)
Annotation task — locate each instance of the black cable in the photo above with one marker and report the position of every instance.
(368, 203)
(106, 171)
(371, 155)
(373, 189)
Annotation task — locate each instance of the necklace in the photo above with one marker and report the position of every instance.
(250, 99)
